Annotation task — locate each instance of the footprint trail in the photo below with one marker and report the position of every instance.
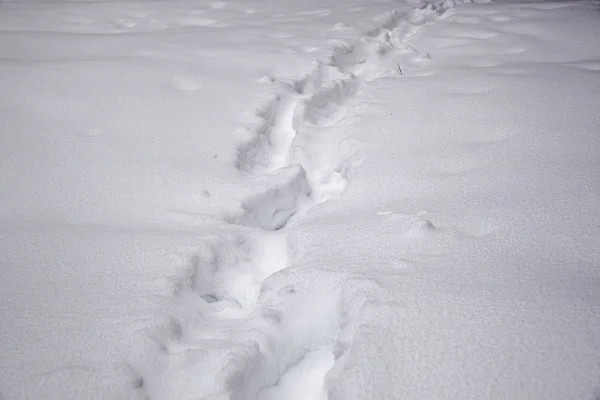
(248, 322)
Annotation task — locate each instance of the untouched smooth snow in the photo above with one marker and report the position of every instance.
(300, 200)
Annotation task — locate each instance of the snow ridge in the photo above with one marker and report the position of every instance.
(247, 321)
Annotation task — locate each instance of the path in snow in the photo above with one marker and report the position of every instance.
(458, 261)
(248, 317)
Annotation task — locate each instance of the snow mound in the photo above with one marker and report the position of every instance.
(273, 209)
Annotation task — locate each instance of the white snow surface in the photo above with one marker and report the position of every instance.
(308, 200)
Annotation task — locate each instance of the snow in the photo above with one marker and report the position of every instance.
(299, 200)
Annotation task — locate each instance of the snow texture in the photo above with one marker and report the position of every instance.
(299, 200)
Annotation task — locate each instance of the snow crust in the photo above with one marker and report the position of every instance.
(299, 200)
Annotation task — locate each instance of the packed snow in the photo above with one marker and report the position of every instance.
(309, 200)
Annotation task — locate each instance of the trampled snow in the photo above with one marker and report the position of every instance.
(300, 200)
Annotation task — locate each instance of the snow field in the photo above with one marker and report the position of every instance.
(271, 200)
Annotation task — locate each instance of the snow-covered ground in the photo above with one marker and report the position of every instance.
(299, 200)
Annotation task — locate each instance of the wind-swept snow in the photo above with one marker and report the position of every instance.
(325, 200)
